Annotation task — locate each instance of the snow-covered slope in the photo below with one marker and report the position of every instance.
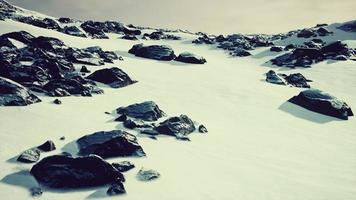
(259, 146)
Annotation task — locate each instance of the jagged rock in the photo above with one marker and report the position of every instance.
(110, 144)
(135, 123)
(160, 35)
(148, 111)
(340, 58)
(157, 52)
(107, 56)
(187, 57)
(147, 174)
(21, 36)
(176, 126)
(114, 77)
(43, 23)
(335, 48)
(297, 80)
(306, 33)
(30, 156)
(57, 101)
(323, 31)
(276, 49)
(67, 172)
(116, 189)
(36, 192)
(47, 43)
(69, 86)
(321, 102)
(348, 26)
(240, 52)
(202, 129)
(83, 56)
(73, 30)
(121, 118)
(131, 31)
(14, 94)
(47, 146)
(94, 29)
(84, 69)
(123, 166)
(65, 20)
(272, 77)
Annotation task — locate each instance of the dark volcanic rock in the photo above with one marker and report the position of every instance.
(129, 37)
(124, 166)
(148, 111)
(73, 30)
(321, 102)
(47, 43)
(202, 129)
(239, 52)
(110, 144)
(147, 174)
(116, 189)
(30, 156)
(121, 118)
(335, 48)
(306, 33)
(67, 172)
(14, 94)
(176, 126)
(47, 146)
(272, 77)
(187, 57)
(157, 52)
(114, 77)
(94, 29)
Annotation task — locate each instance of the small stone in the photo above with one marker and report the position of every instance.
(62, 138)
(202, 129)
(84, 69)
(147, 174)
(47, 146)
(57, 101)
(123, 166)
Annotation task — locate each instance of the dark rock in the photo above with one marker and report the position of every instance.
(57, 101)
(65, 20)
(202, 129)
(321, 102)
(73, 30)
(272, 77)
(114, 77)
(21, 36)
(121, 118)
(84, 69)
(47, 146)
(149, 131)
(116, 189)
(67, 172)
(160, 35)
(67, 87)
(135, 123)
(297, 80)
(187, 57)
(14, 94)
(157, 52)
(176, 126)
(42, 23)
(108, 113)
(335, 48)
(306, 33)
(276, 49)
(62, 138)
(47, 43)
(30, 156)
(36, 192)
(239, 52)
(340, 58)
(289, 47)
(348, 26)
(148, 111)
(123, 166)
(147, 174)
(83, 56)
(323, 31)
(94, 29)
(110, 144)
(129, 37)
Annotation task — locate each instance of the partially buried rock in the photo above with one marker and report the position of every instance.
(321, 102)
(14, 94)
(116, 189)
(148, 111)
(187, 57)
(124, 166)
(114, 143)
(176, 126)
(62, 171)
(272, 77)
(114, 77)
(47, 146)
(57, 101)
(147, 174)
(156, 52)
(30, 156)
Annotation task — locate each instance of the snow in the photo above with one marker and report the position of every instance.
(258, 147)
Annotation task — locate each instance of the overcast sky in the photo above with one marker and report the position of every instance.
(213, 16)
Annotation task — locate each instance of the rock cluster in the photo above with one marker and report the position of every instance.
(160, 35)
(296, 79)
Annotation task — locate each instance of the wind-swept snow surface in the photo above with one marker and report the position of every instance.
(259, 146)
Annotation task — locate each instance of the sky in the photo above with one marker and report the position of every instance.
(211, 16)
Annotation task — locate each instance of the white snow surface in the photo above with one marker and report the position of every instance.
(259, 147)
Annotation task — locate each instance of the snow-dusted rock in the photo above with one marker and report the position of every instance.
(176, 126)
(148, 111)
(272, 77)
(123, 166)
(156, 52)
(116, 189)
(187, 57)
(73, 30)
(30, 156)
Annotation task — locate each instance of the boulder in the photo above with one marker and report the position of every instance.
(160, 35)
(47, 146)
(157, 52)
(306, 33)
(30, 156)
(114, 77)
(335, 48)
(272, 77)
(65, 20)
(108, 144)
(124, 166)
(297, 80)
(129, 37)
(176, 126)
(73, 30)
(148, 111)
(57, 101)
(187, 57)
(136, 123)
(71, 86)
(62, 171)
(147, 174)
(239, 52)
(21, 36)
(321, 102)
(14, 94)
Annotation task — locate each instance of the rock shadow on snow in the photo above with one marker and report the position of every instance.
(21, 178)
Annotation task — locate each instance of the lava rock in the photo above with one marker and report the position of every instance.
(272, 77)
(160, 35)
(116, 189)
(321, 102)
(239, 52)
(47, 146)
(123, 166)
(147, 111)
(156, 52)
(30, 156)
(14, 94)
(110, 144)
(176, 126)
(114, 77)
(147, 174)
(68, 86)
(335, 48)
(67, 172)
(187, 57)
(95, 29)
